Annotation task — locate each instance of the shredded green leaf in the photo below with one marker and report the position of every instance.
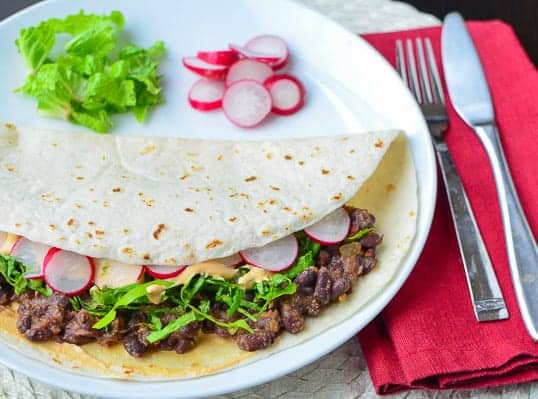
(359, 234)
(93, 78)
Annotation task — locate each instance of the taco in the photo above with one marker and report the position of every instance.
(136, 257)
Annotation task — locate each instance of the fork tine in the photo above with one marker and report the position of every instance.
(438, 94)
(400, 62)
(424, 76)
(413, 70)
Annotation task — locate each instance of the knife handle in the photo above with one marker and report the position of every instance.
(520, 243)
(486, 295)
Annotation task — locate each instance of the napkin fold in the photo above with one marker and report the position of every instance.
(428, 337)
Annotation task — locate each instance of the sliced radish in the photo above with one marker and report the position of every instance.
(276, 256)
(246, 103)
(68, 272)
(248, 69)
(30, 254)
(221, 57)
(287, 94)
(270, 45)
(206, 95)
(7, 243)
(158, 271)
(232, 260)
(204, 69)
(112, 274)
(332, 229)
(253, 55)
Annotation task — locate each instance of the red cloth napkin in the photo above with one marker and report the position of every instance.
(427, 337)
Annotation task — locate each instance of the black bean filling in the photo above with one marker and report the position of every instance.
(331, 279)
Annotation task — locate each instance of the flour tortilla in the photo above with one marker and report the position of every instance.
(143, 200)
(390, 194)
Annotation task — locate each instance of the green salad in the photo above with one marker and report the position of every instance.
(91, 77)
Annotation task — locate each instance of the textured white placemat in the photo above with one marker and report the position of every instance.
(343, 373)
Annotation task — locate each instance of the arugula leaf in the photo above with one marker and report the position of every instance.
(303, 263)
(136, 292)
(359, 234)
(174, 325)
(13, 273)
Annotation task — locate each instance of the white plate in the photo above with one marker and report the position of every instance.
(350, 88)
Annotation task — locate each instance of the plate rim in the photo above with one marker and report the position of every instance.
(74, 382)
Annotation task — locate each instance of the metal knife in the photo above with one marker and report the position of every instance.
(469, 93)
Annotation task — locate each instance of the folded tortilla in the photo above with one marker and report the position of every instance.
(40, 188)
(173, 201)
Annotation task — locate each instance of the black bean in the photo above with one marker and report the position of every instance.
(323, 286)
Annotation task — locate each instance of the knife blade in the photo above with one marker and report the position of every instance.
(471, 97)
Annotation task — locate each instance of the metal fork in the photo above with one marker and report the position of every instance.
(488, 302)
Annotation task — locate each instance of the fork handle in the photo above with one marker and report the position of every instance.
(486, 295)
(520, 243)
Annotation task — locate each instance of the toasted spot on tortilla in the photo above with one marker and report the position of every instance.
(344, 138)
(188, 210)
(105, 204)
(124, 177)
(251, 178)
(91, 189)
(10, 167)
(78, 166)
(288, 157)
(79, 178)
(213, 244)
(220, 157)
(390, 187)
(337, 197)
(116, 190)
(170, 261)
(352, 151)
(184, 176)
(266, 232)
(9, 126)
(232, 219)
(287, 209)
(160, 228)
(412, 213)
(103, 157)
(186, 246)
(275, 188)
(148, 149)
(71, 222)
(325, 171)
(52, 226)
(77, 205)
(91, 223)
(128, 250)
(379, 143)
(89, 235)
(196, 168)
(18, 225)
(146, 256)
(349, 177)
(272, 201)
(125, 231)
(301, 163)
(99, 232)
(268, 155)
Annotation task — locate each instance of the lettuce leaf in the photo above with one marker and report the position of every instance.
(93, 78)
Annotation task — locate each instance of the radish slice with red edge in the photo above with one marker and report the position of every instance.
(254, 55)
(159, 271)
(287, 94)
(248, 69)
(112, 274)
(205, 69)
(232, 260)
(221, 57)
(68, 272)
(270, 45)
(30, 254)
(246, 103)
(275, 256)
(332, 229)
(206, 95)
